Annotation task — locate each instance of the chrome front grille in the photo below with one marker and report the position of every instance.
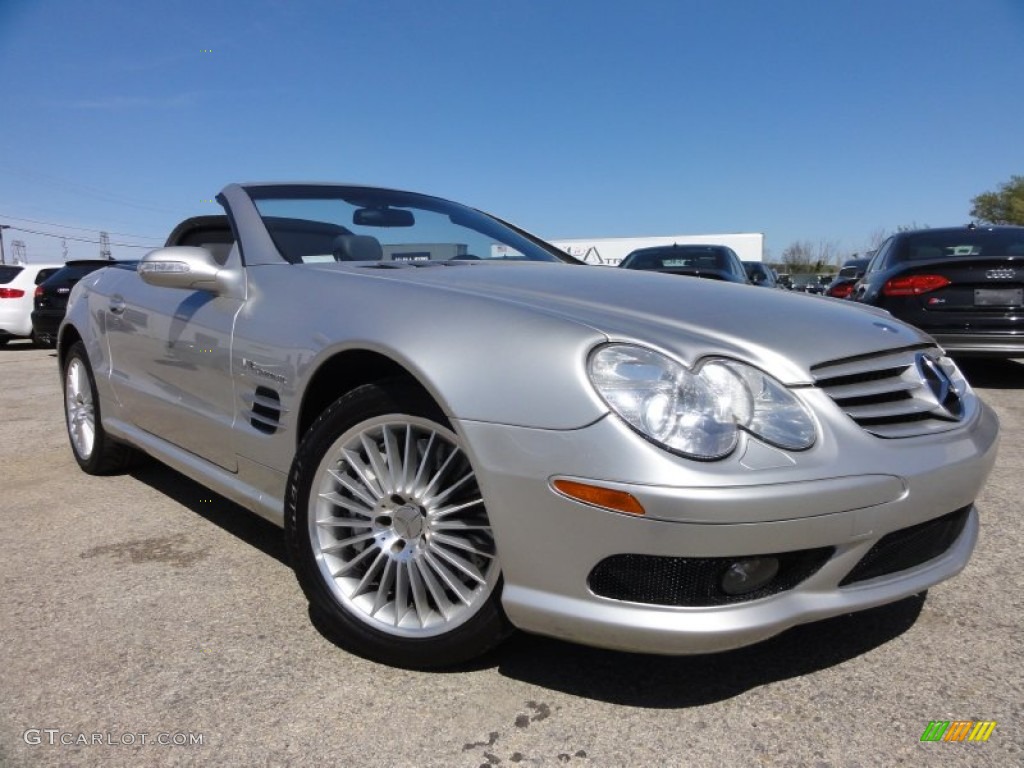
(893, 394)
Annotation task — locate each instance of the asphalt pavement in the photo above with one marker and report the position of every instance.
(145, 621)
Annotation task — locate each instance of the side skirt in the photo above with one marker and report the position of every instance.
(210, 475)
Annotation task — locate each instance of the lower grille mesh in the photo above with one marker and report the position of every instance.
(693, 581)
(909, 547)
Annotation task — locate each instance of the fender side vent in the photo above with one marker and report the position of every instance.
(265, 410)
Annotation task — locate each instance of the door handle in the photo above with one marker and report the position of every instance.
(117, 305)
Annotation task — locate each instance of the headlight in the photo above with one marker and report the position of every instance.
(698, 413)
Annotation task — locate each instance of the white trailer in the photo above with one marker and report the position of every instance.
(609, 251)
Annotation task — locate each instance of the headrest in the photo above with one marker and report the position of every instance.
(357, 248)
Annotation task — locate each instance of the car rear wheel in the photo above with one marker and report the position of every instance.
(95, 452)
(389, 534)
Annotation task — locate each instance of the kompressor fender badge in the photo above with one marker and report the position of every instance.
(257, 370)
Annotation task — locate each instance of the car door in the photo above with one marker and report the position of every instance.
(170, 352)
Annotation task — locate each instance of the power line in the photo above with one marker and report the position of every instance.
(79, 239)
(81, 229)
(81, 189)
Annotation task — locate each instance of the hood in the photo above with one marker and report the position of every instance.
(689, 318)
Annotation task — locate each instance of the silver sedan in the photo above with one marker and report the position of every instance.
(463, 432)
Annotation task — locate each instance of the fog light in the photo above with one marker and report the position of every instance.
(749, 575)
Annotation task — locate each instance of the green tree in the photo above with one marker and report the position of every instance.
(1005, 206)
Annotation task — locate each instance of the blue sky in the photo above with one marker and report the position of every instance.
(808, 120)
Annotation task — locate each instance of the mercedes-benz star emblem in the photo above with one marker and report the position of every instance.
(941, 385)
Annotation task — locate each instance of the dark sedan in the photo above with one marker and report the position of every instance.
(51, 297)
(716, 262)
(962, 285)
(842, 286)
(761, 274)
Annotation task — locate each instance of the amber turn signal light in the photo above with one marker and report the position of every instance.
(617, 501)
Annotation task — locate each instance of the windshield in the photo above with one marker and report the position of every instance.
(312, 223)
(7, 274)
(682, 258)
(944, 244)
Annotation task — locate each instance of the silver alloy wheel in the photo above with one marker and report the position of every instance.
(80, 411)
(398, 527)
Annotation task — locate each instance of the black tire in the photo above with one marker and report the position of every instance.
(353, 576)
(94, 450)
(42, 342)
(4, 340)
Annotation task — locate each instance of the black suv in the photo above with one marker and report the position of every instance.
(51, 296)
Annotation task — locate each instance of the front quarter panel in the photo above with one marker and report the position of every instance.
(480, 360)
(86, 318)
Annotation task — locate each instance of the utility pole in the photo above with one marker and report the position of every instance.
(19, 252)
(2, 228)
(105, 246)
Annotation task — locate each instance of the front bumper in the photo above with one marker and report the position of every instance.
(750, 505)
(46, 323)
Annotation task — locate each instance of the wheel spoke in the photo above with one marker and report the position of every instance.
(384, 587)
(419, 594)
(340, 501)
(408, 460)
(459, 543)
(74, 385)
(342, 543)
(458, 525)
(441, 601)
(344, 522)
(421, 470)
(449, 578)
(363, 473)
(393, 458)
(445, 511)
(439, 474)
(461, 563)
(401, 592)
(352, 487)
(440, 498)
(371, 572)
(377, 463)
(354, 562)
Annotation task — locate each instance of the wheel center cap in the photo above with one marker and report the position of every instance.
(408, 521)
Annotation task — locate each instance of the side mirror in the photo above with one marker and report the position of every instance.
(182, 266)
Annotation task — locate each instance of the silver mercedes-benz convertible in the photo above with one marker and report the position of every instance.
(462, 431)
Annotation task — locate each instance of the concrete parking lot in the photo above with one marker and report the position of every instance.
(146, 621)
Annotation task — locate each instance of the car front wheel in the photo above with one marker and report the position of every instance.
(389, 534)
(95, 452)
